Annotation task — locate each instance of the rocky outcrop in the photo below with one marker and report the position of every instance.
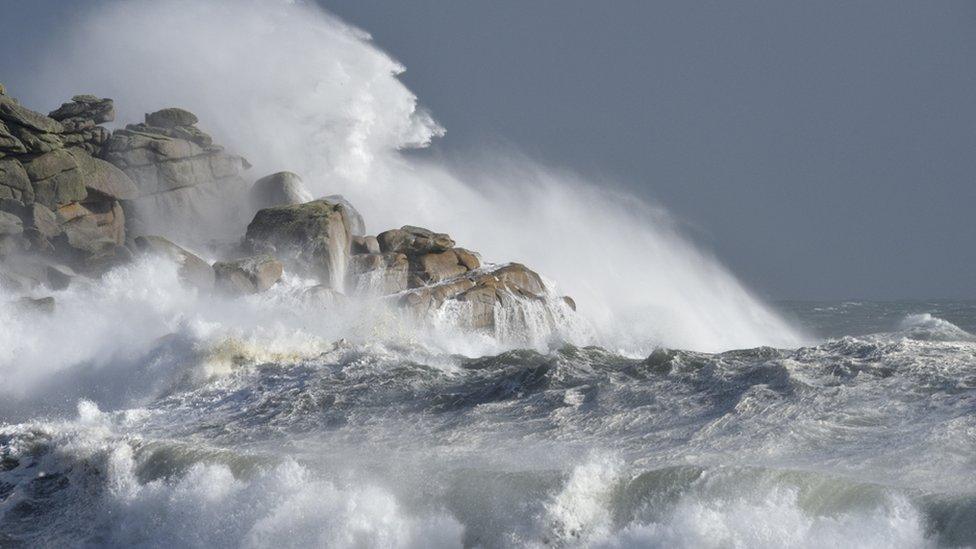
(67, 200)
(187, 186)
(77, 200)
(247, 276)
(312, 238)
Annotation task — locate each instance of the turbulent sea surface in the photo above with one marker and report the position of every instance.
(864, 438)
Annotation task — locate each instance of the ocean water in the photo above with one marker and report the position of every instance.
(864, 438)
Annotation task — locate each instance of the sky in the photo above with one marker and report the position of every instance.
(822, 150)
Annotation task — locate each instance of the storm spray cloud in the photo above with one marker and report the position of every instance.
(291, 87)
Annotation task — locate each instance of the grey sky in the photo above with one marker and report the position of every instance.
(822, 149)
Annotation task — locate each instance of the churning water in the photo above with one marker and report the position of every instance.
(143, 414)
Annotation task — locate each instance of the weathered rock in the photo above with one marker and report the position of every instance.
(187, 187)
(86, 107)
(414, 241)
(377, 274)
(365, 245)
(480, 292)
(36, 143)
(9, 144)
(56, 178)
(570, 302)
(279, 189)
(171, 118)
(14, 113)
(247, 276)
(10, 224)
(354, 220)
(43, 220)
(15, 179)
(437, 267)
(313, 237)
(193, 270)
(467, 258)
(103, 179)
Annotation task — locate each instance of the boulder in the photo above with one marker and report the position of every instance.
(10, 224)
(16, 181)
(103, 179)
(171, 118)
(59, 277)
(365, 245)
(321, 296)
(279, 189)
(9, 143)
(436, 267)
(414, 241)
(247, 276)
(14, 113)
(313, 237)
(354, 220)
(193, 270)
(479, 293)
(467, 258)
(85, 107)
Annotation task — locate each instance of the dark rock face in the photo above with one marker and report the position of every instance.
(312, 237)
(247, 276)
(193, 270)
(279, 189)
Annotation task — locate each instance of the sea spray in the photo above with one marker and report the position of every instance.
(291, 87)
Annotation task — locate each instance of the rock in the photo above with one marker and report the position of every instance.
(104, 179)
(86, 107)
(10, 224)
(193, 270)
(50, 164)
(36, 143)
(15, 179)
(247, 276)
(570, 302)
(357, 227)
(39, 305)
(56, 178)
(11, 112)
(59, 277)
(365, 245)
(313, 237)
(480, 292)
(414, 241)
(437, 267)
(171, 118)
(3, 90)
(43, 220)
(377, 274)
(279, 189)
(467, 258)
(9, 144)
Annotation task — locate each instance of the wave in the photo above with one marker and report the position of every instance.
(292, 87)
(926, 327)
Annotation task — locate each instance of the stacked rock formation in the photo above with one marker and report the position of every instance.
(188, 186)
(67, 201)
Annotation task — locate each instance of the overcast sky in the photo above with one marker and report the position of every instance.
(821, 149)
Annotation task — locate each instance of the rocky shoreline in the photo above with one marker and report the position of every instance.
(78, 200)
